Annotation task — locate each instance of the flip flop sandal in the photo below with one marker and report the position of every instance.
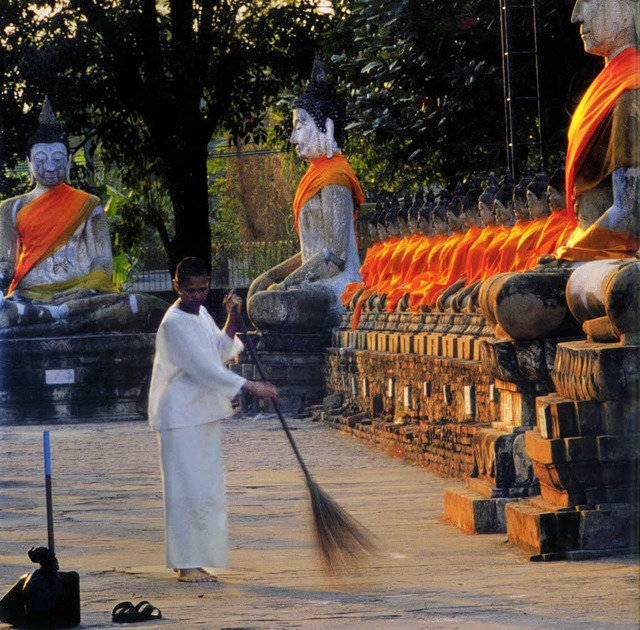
(126, 612)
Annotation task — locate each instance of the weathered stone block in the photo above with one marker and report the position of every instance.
(580, 449)
(406, 344)
(589, 417)
(420, 344)
(471, 512)
(434, 345)
(544, 451)
(617, 447)
(565, 423)
(450, 346)
(596, 371)
(609, 527)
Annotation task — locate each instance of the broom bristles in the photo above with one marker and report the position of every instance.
(342, 540)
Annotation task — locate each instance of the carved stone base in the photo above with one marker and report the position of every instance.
(75, 379)
(547, 532)
(596, 371)
(503, 474)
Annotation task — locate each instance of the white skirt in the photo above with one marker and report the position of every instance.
(195, 508)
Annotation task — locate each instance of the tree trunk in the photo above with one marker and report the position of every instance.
(188, 189)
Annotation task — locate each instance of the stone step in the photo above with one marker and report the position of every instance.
(472, 512)
(547, 532)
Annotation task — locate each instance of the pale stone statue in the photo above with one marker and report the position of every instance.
(55, 253)
(602, 188)
(302, 294)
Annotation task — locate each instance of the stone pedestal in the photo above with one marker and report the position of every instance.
(585, 454)
(76, 378)
(295, 364)
(502, 470)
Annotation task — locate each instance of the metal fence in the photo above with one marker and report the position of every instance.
(233, 265)
(236, 265)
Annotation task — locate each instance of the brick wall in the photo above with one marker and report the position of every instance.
(424, 409)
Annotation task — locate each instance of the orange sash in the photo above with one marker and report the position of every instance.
(473, 264)
(598, 243)
(491, 258)
(46, 224)
(525, 254)
(455, 267)
(557, 223)
(509, 247)
(620, 74)
(323, 172)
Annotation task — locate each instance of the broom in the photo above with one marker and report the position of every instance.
(341, 539)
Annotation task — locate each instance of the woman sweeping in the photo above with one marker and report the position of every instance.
(191, 391)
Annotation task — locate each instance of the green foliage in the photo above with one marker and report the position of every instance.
(152, 81)
(424, 81)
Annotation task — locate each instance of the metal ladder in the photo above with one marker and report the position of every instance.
(519, 27)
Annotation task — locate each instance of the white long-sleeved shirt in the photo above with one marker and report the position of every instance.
(190, 384)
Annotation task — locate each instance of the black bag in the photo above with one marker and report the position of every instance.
(46, 598)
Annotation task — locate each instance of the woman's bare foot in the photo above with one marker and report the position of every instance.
(195, 575)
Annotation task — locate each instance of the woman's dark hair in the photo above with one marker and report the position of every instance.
(191, 267)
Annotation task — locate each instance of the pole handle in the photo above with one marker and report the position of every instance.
(47, 480)
(263, 376)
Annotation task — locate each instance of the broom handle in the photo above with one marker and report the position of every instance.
(276, 405)
(47, 481)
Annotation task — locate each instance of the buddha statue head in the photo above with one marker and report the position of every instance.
(537, 194)
(391, 216)
(382, 205)
(319, 118)
(556, 195)
(454, 209)
(47, 151)
(414, 211)
(470, 202)
(607, 26)
(373, 220)
(519, 196)
(439, 214)
(426, 214)
(503, 201)
(485, 201)
(403, 214)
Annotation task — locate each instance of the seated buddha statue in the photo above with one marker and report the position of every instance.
(602, 172)
(302, 294)
(55, 253)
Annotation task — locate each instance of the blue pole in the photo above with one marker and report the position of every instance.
(47, 480)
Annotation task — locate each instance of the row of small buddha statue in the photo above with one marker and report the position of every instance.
(432, 251)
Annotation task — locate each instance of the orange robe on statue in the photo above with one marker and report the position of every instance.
(411, 267)
(525, 255)
(473, 264)
(455, 268)
(509, 247)
(323, 172)
(554, 229)
(491, 258)
(603, 137)
(379, 273)
(45, 224)
(437, 268)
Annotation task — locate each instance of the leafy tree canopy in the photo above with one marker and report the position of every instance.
(426, 90)
(153, 80)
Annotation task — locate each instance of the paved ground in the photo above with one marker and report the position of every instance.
(108, 522)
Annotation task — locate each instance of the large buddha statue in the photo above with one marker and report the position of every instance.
(603, 197)
(302, 294)
(55, 253)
